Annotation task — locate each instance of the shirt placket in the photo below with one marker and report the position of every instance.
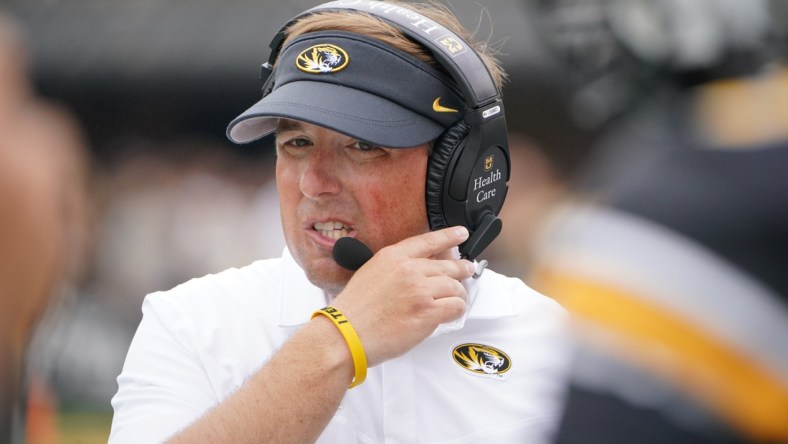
(399, 405)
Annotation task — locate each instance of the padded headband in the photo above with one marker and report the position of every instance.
(450, 50)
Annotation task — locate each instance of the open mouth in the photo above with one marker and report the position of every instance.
(332, 229)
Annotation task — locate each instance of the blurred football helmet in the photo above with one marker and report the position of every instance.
(614, 52)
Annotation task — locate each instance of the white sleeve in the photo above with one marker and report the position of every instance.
(163, 386)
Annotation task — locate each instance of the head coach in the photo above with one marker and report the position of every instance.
(390, 136)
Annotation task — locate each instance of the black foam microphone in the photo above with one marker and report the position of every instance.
(351, 253)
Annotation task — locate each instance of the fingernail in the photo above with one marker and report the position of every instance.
(461, 232)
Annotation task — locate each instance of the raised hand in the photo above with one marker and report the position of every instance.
(405, 291)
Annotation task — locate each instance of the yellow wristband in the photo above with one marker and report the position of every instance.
(352, 339)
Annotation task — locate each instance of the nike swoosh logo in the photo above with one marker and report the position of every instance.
(437, 107)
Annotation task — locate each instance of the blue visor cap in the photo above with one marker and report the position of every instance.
(357, 86)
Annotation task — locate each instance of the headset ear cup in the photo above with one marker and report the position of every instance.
(437, 171)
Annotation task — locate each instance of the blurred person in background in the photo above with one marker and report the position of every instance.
(249, 355)
(670, 246)
(160, 218)
(156, 201)
(42, 213)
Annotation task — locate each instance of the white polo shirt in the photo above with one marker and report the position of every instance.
(496, 374)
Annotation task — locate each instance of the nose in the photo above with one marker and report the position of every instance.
(319, 177)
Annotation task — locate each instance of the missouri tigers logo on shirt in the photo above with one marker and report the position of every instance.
(322, 58)
(481, 359)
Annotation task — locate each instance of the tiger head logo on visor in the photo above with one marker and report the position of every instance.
(321, 59)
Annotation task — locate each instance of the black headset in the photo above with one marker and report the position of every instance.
(468, 170)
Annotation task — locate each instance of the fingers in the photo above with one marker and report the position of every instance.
(407, 277)
(450, 300)
(458, 269)
(434, 242)
(449, 309)
(444, 287)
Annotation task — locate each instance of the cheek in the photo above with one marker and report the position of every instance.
(384, 205)
(396, 206)
(288, 192)
(288, 178)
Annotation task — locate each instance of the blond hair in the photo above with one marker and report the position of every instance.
(371, 26)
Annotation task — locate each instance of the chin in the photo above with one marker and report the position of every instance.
(332, 283)
(326, 274)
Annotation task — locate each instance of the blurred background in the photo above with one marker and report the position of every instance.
(160, 196)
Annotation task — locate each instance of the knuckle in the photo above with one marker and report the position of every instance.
(459, 289)
(452, 288)
(386, 252)
(431, 241)
(455, 308)
(406, 268)
(461, 269)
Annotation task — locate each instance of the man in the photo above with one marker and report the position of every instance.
(432, 353)
(670, 253)
(42, 208)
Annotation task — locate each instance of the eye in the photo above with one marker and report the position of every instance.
(297, 142)
(364, 150)
(293, 145)
(364, 146)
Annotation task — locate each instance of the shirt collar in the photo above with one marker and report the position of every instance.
(496, 302)
(300, 298)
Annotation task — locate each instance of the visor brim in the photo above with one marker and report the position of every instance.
(349, 111)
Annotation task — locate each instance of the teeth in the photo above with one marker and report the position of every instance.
(332, 229)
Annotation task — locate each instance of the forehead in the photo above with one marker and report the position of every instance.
(283, 124)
